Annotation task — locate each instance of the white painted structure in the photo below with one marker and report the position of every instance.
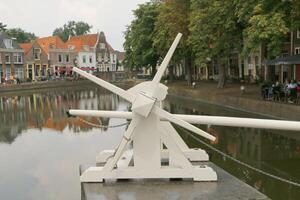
(87, 59)
(150, 129)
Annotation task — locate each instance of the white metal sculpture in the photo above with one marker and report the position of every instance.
(150, 131)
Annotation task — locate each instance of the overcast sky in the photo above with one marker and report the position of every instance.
(43, 16)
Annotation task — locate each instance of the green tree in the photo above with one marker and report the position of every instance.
(174, 18)
(72, 28)
(20, 35)
(139, 38)
(2, 27)
(215, 33)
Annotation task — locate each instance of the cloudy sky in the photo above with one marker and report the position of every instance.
(43, 16)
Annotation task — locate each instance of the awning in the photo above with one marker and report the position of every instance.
(87, 68)
(289, 60)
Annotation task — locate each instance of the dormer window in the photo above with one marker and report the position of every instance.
(8, 43)
(71, 47)
(86, 47)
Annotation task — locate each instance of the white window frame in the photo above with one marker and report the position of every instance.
(8, 73)
(298, 34)
(91, 59)
(19, 73)
(18, 58)
(297, 50)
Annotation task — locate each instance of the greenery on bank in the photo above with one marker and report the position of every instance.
(212, 30)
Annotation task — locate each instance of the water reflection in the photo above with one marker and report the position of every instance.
(41, 149)
(48, 110)
(277, 152)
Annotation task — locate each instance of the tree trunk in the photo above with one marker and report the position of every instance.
(171, 73)
(188, 68)
(222, 74)
(153, 71)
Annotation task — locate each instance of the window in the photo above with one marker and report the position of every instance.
(0, 59)
(7, 58)
(86, 47)
(59, 58)
(8, 73)
(256, 60)
(83, 59)
(71, 47)
(102, 46)
(91, 59)
(37, 53)
(37, 70)
(67, 58)
(19, 72)
(297, 50)
(18, 58)
(8, 43)
(298, 34)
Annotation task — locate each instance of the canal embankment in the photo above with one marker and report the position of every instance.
(205, 91)
(231, 96)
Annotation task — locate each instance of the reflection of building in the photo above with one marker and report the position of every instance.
(48, 110)
(11, 59)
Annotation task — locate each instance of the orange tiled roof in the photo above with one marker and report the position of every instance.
(52, 40)
(82, 40)
(26, 47)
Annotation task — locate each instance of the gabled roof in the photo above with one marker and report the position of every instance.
(46, 42)
(26, 47)
(83, 40)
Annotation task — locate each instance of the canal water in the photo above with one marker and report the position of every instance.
(41, 148)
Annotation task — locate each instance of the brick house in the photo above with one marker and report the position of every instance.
(61, 58)
(11, 59)
(36, 61)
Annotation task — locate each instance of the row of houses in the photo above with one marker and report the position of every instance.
(51, 57)
(256, 66)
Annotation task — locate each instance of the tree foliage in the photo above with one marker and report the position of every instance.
(139, 38)
(2, 27)
(212, 30)
(215, 33)
(174, 17)
(72, 28)
(20, 35)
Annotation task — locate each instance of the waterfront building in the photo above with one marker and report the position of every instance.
(286, 66)
(61, 57)
(11, 59)
(36, 61)
(85, 48)
(106, 56)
